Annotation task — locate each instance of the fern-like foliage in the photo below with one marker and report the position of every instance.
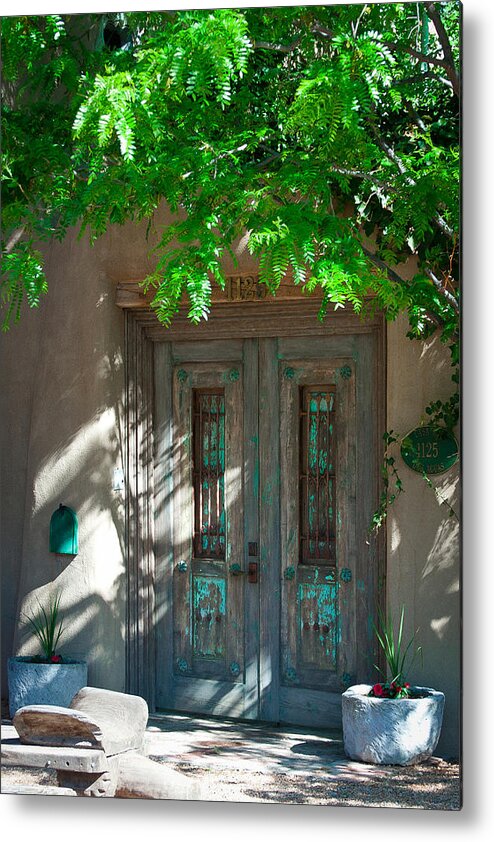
(323, 131)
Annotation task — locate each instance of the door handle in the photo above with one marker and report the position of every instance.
(252, 572)
(236, 570)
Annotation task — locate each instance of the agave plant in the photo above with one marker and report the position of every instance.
(48, 627)
(396, 653)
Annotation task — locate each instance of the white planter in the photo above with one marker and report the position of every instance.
(391, 731)
(44, 684)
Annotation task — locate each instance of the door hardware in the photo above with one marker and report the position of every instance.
(236, 570)
(252, 572)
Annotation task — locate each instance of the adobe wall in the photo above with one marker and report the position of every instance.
(62, 389)
(61, 395)
(62, 382)
(423, 555)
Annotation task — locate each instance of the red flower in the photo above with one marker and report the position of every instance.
(377, 690)
(56, 659)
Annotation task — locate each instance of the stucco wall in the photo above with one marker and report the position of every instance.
(61, 403)
(423, 539)
(17, 376)
(61, 387)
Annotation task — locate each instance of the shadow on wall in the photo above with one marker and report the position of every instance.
(84, 621)
(438, 591)
(76, 469)
(439, 587)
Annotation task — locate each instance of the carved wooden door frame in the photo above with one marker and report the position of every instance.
(143, 362)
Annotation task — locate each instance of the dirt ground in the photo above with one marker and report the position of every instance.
(434, 785)
(239, 762)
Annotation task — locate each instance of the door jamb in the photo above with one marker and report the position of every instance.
(143, 526)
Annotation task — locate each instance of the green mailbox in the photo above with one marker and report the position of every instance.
(64, 531)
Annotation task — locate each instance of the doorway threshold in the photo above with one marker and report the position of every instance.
(242, 744)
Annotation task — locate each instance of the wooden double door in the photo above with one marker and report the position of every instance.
(267, 474)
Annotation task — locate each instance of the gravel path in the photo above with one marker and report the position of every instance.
(434, 785)
(238, 762)
(430, 786)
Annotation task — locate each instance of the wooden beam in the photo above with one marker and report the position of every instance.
(14, 753)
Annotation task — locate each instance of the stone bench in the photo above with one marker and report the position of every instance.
(95, 747)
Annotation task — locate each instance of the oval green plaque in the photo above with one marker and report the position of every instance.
(429, 450)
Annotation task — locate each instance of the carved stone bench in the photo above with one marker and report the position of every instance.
(95, 747)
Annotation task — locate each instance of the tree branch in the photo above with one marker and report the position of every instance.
(279, 48)
(356, 26)
(438, 220)
(14, 238)
(366, 176)
(316, 29)
(268, 160)
(419, 77)
(319, 29)
(449, 62)
(450, 298)
(423, 57)
(417, 119)
(393, 276)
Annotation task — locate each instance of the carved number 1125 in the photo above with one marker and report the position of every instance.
(427, 450)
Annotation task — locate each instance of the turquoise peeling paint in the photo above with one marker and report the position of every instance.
(255, 489)
(318, 603)
(255, 478)
(319, 487)
(208, 600)
(210, 590)
(212, 445)
(267, 494)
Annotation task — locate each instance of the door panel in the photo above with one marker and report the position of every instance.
(271, 449)
(317, 425)
(207, 602)
(322, 568)
(211, 669)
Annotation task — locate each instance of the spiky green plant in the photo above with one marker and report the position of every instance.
(394, 649)
(47, 626)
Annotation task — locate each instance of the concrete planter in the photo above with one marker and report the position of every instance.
(391, 731)
(44, 684)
